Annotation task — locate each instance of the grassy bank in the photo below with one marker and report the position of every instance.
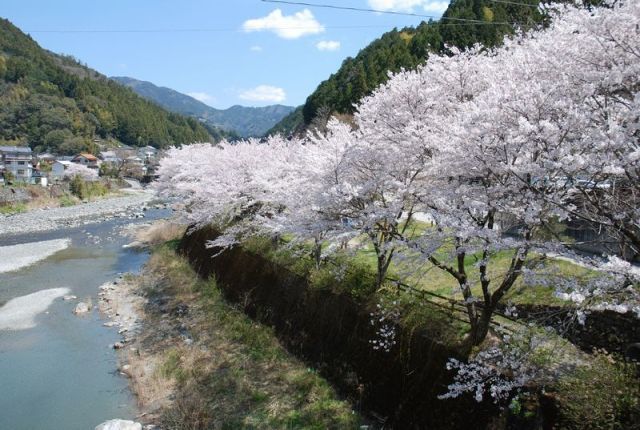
(61, 195)
(421, 274)
(221, 369)
(597, 390)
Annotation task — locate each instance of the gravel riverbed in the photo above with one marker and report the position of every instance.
(54, 218)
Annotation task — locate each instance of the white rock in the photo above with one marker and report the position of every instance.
(119, 425)
(69, 297)
(81, 308)
(126, 370)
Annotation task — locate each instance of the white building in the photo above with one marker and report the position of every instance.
(17, 160)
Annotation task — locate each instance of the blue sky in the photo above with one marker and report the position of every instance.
(245, 51)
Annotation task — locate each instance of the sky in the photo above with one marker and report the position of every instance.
(222, 52)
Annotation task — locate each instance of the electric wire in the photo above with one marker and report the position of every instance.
(358, 9)
(448, 21)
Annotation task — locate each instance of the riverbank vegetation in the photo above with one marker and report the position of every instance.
(402, 331)
(220, 368)
(24, 198)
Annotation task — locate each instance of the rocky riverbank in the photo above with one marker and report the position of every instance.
(41, 220)
(194, 361)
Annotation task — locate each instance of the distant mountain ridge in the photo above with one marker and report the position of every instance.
(245, 121)
(54, 103)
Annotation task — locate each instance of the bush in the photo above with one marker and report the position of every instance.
(603, 394)
(15, 208)
(66, 200)
(86, 190)
(352, 277)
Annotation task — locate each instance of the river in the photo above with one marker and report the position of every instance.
(62, 373)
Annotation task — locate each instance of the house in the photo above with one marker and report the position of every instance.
(86, 159)
(125, 151)
(46, 158)
(17, 161)
(147, 153)
(57, 170)
(110, 157)
(134, 167)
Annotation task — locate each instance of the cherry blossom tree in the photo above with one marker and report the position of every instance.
(495, 145)
(72, 170)
(599, 62)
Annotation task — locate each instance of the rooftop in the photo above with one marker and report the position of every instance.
(20, 149)
(88, 156)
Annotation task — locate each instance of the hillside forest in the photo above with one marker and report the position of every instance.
(53, 103)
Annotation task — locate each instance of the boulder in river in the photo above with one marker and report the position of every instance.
(126, 370)
(82, 308)
(119, 425)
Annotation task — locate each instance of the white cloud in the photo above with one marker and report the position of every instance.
(203, 97)
(328, 45)
(264, 93)
(288, 27)
(256, 48)
(436, 6)
(433, 6)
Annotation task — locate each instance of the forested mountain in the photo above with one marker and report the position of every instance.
(292, 123)
(54, 103)
(409, 47)
(245, 121)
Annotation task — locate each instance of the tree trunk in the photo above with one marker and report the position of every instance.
(317, 252)
(480, 327)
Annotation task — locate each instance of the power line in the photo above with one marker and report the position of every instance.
(358, 9)
(355, 9)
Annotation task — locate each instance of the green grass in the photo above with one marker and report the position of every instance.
(67, 200)
(12, 209)
(604, 394)
(259, 385)
(237, 375)
(425, 276)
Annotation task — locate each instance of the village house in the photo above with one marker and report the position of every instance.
(57, 170)
(147, 153)
(17, 161)
(110, 157)
(46, 158)
(86, 159)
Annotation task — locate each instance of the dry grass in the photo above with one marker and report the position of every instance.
(152, 389)
(159, 232)
(230, 373)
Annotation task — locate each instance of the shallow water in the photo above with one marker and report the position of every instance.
(62, 374)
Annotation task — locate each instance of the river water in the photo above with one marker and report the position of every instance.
(61, 374)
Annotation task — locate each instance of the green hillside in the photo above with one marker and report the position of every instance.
(290, 124)
(54, 103)
(409, 47)
(245, 121)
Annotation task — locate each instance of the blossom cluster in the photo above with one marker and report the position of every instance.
(492, 146)
(385, 319)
